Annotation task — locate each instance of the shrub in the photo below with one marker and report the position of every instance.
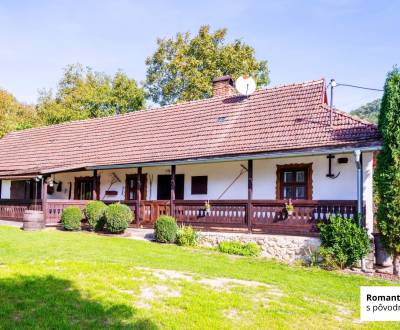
(387, 174)
(118, 217)
(71, 218)
(313, 257)
(95, 214)
(343, 242)
(243, 249)
(165, 229)
(186, 236)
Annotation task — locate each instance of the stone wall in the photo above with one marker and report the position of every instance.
(280, 247)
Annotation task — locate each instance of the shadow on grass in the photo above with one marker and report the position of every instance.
(28, 302)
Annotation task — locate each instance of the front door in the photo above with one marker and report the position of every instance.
(164, 186)
(84, 188)
(131, 186)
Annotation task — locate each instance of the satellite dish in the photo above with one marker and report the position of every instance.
(245, 85)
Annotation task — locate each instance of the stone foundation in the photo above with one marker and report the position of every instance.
(280, 247)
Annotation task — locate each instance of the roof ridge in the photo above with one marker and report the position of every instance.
(140, 111)
(304, 83)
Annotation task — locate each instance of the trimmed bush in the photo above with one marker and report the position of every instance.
(165, 229)
(95, 215)
(239, 248)
(186, 236)
(343, 242)
(118, 217)
(71, 218)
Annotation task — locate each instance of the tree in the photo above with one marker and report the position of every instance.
(15, 115)
(369, 111)
(387, 175)
(83, 93)
(182, 69)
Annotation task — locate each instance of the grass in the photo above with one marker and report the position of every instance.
(60, 280)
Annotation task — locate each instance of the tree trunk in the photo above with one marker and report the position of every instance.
(396, 264)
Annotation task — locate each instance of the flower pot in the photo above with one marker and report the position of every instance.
(290, 212)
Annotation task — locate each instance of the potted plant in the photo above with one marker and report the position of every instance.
(289, 207)
(207, 208)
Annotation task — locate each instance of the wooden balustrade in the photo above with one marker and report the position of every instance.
(266, 215)
(11, 209)
(271, 216)
(151, 210)
(54, 208)
(222, 213)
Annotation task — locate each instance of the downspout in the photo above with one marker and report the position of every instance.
(360, 199)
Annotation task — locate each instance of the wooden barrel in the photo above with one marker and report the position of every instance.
(33, 220)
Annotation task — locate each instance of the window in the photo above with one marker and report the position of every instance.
(164, 186)
(294, 181)
(131, 186)
(199, 185)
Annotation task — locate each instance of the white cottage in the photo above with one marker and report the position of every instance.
(247, 156)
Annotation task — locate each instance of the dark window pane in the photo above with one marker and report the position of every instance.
(199, 185)
(300, 176)
(300, 192)
(287, 192)
(287, 176)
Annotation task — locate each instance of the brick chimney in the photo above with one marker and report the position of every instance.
(223, 86)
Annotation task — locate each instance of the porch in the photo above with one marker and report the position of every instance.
(245, 196)
(258, 216)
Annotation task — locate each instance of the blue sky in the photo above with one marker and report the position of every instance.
(355, 42)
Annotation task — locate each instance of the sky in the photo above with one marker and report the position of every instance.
(354, 42)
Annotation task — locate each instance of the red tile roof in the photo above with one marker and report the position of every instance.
(291, 117)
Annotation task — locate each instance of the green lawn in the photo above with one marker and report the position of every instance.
(58, 280)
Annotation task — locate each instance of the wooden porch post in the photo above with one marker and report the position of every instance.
(138, 194)
(249, 192)
(44, 199)
(94, 192)
(172, 206)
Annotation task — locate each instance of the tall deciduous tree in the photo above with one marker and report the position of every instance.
(15, 115)
(387, 173)
(182, 69)
(83, 93)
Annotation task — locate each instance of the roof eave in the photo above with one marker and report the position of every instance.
(254, 156)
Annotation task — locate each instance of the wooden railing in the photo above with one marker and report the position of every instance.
(11, 209)
(265, 215)
(271, 216)
(228, 213)
(151, 210)
(54, 208)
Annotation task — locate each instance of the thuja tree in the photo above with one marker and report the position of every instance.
(387, 175)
